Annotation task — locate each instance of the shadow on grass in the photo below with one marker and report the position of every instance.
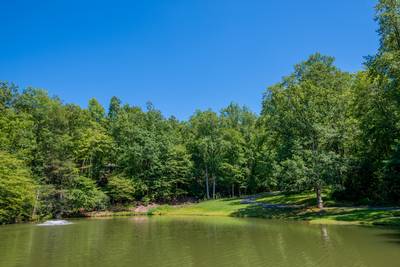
(236, 202)
(366, 216)
(359, 215)
(305, 199)
(259, 211)
(231, 199)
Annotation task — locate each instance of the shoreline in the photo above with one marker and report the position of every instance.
(273, 205)
(320, 221)
(295, 207)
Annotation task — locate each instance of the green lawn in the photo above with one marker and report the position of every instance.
(306, 198)
(334, 213)
(220, 207)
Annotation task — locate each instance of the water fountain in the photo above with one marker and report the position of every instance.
(54, 223)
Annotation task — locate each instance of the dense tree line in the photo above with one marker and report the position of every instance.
(319, 128)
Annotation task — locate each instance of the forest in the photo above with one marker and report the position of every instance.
(320, 128)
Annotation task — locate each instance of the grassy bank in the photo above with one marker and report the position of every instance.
(283, 206)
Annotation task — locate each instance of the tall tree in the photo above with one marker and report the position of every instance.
(114, 107)
(305, 114)
(96, 110)
(206, 146)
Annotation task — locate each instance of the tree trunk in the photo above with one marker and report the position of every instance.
(233, 190)
(214, 196)
(35, 205)
(207, 187)
(90, 167)
(61, 201)
(318, 191)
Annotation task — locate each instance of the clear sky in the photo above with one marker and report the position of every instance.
(182, 55)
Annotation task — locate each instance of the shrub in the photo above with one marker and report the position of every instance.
(17, 190)
(120, 190)
(84, 195)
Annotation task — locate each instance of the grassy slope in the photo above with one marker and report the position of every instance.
(332, 214)
(220, 207)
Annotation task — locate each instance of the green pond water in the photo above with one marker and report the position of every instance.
(196, 241)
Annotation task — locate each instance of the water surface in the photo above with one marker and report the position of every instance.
(196, 241)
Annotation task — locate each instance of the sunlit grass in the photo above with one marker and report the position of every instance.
(307, 198)
(220, 207)
(305, 211)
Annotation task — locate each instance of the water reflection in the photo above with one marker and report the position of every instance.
(392, 237)
(199, 241)
(324, 233)
(139, 219)
(54, 223)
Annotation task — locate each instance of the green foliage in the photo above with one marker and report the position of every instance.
(375, 168)
(114, 108)
(8, 93)
(96, 110)
(306, 115)
(120, 190)
(83, 195)
(177, 175)
(94, 150)
(17, 190)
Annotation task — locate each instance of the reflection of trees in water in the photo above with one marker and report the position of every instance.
(16, 245)
(281, 245)
(139, 219)
(324, 234)
(163, 241)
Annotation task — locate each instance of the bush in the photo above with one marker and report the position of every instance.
(84, 195)
(120, 190)
(17, 190)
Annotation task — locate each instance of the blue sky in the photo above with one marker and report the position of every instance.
(182, 55)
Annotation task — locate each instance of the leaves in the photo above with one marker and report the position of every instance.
(17, 189)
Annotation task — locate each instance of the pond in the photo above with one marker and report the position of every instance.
(196, 241)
